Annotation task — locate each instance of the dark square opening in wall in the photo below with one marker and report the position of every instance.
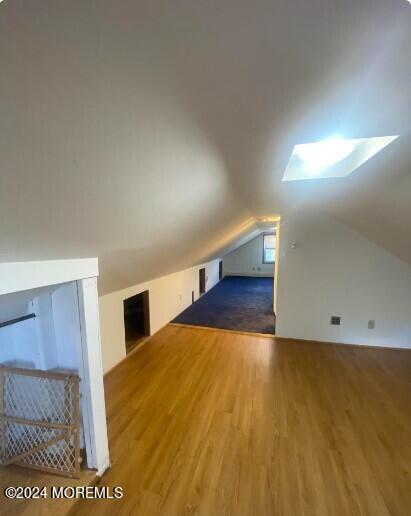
(202, 280)
(136, 319)
(335, 320)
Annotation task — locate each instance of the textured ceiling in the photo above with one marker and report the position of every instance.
(151, 134)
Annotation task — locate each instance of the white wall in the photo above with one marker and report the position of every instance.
(335, 271)
(169, 296)
(247, 260)
(18, 344)
(67, 327)
(277, 262)
(52, 339)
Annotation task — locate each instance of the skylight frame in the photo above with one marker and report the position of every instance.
(362, 150)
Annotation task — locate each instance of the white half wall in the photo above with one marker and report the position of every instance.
(169, 295)
(247, 260)
(333, 270)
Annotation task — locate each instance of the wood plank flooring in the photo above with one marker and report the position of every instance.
(211, 423)
(17, 476)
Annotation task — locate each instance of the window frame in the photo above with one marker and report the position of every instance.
(265, 262)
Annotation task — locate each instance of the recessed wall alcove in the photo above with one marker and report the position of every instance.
(50, 332)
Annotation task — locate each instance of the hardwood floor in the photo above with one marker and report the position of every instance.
(211, 423)
(17, 476)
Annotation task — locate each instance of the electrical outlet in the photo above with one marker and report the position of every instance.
(259, 268)
(253, 268)
(335, 320)
(371, 324)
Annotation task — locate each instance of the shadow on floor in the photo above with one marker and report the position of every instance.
(236, 303)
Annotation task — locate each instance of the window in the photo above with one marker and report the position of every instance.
(269, 248)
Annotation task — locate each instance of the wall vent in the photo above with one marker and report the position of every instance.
(335, 320)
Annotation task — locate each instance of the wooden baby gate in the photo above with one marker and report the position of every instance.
(39, 420)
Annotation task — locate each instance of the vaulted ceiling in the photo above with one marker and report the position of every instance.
(152, 133)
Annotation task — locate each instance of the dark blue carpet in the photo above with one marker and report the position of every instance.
(236, 303)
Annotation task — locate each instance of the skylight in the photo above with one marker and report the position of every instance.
(333, 157)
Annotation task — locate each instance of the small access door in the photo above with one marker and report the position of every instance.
(202, 278)
(136, 319)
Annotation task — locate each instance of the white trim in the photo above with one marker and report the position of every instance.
(18, 276)
(252, 274)
(104, 467)
(92, 379)
(84, 388)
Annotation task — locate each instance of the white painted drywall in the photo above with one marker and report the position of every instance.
(18, 276)
(247, 260)
(44, 329)
(66, 323)
(18, 344)
(135, 130)
(168, 295)
(277, 263)
(335, 271)
(52, 339)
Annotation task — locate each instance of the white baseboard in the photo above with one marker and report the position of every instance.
(104, 467)
(252, 274)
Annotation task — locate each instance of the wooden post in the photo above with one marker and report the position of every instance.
(76, 422)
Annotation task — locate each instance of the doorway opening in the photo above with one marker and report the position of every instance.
(202, 279)
(136, 319)
(245, 298)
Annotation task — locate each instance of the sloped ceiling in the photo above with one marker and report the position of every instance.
(151, 134)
